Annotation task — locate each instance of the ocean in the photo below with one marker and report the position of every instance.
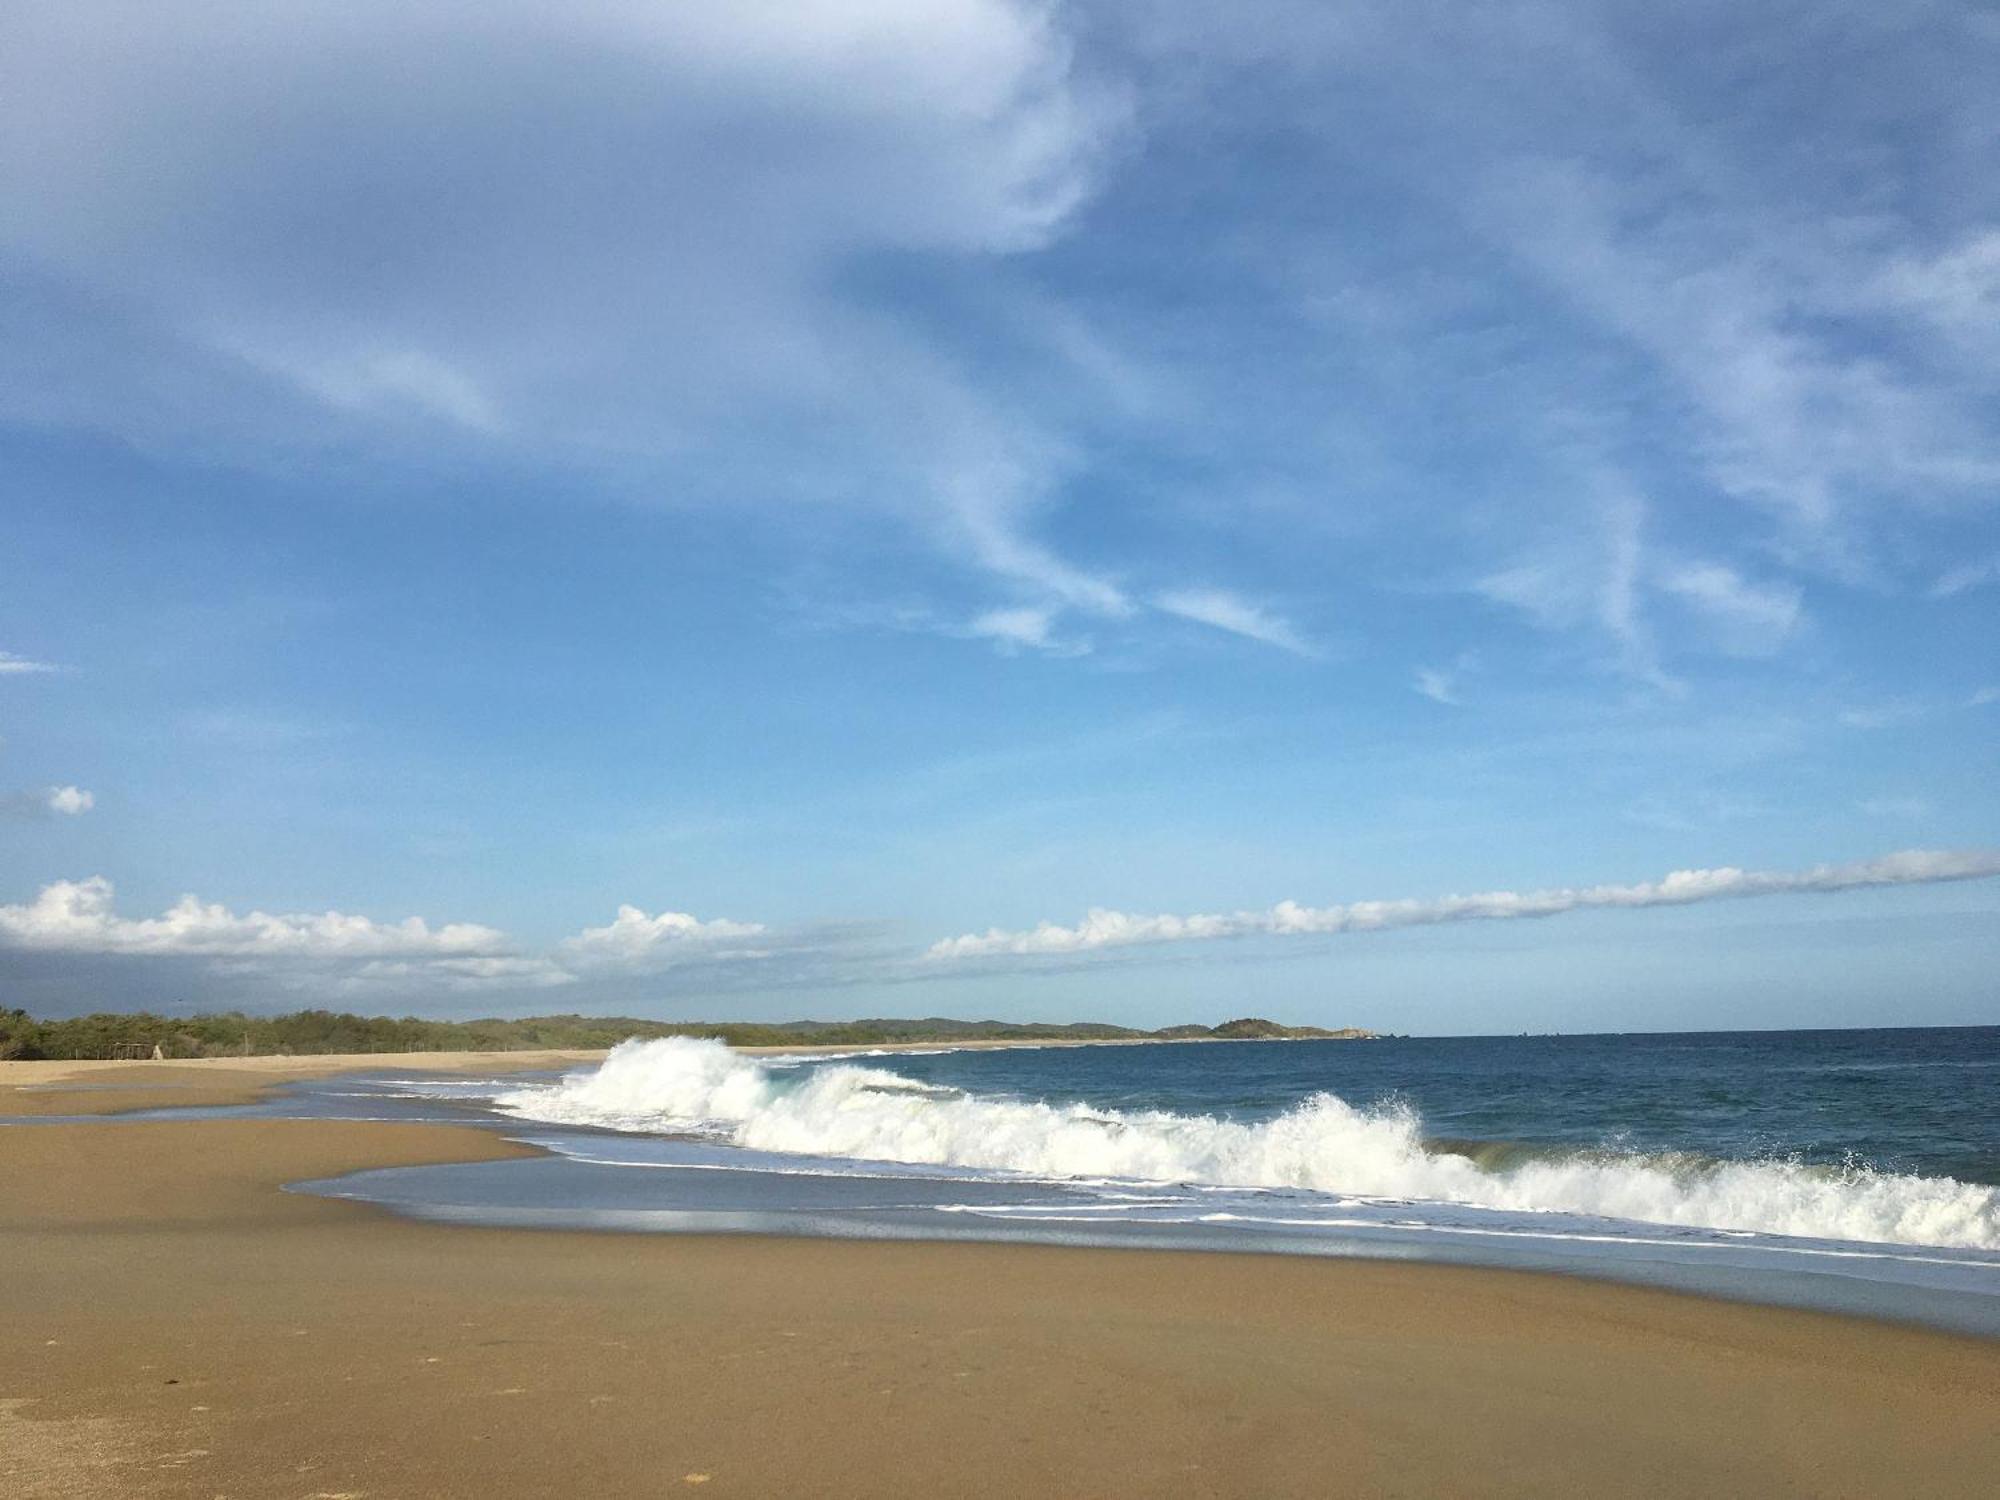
(1849, 1170)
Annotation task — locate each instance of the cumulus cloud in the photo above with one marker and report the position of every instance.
(1103, 929)
(636, 942)
(70, 800)
(63, 801)
(340, 954)
(79, 916)
(1221, 610)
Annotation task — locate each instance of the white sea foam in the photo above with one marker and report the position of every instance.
(1323, 1144)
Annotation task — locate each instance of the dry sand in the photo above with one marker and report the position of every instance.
(105, 1088)
(175, 1326)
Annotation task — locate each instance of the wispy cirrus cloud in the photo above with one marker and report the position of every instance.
(1438, 685)
(693, 307)
(14, 665)
(1744, 617)
(1026, 628)
(1103, 929)
(1979, 573)
(1444, 684)
(1220, 609)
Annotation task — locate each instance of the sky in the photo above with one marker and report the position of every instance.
(1442, 517)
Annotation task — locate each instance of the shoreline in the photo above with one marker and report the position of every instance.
(109, 1086)
(189, 1330)
(63, 1091)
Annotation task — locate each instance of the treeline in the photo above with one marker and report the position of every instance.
(232, 1033)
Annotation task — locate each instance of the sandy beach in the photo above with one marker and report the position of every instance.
(177, 1326)
(98, 1087)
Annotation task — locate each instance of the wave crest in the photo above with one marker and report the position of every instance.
(1323, 1143)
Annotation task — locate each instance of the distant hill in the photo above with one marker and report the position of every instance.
(232, 1033)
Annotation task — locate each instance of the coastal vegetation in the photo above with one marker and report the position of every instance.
(234, 1033)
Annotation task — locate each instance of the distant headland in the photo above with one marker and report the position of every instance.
(309, 1032)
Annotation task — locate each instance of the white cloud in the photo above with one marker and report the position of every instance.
(64, 801)
(1438, 685)
(1614, 578)
(407, 376)
(339, 953)
(1598, 580)
(12, 665)
(77, 916)
(1983, 696)
(1722, 304)
(620, 233)
(636, 942)
(1222, 610)
(1441, 684)
(1102, 929)
(1958, 290)
(1745, 618)
(1025, 628)
(1971, 575)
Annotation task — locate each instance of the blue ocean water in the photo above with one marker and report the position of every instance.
(1917, 1100)
(1854, 1170)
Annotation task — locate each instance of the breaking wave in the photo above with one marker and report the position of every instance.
(1323, 1144)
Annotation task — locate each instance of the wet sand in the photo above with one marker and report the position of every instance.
(176, 1326)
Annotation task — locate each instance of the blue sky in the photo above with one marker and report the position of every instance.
(777, 510)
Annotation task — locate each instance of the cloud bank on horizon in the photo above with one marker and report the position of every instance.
(1102, 929)
(356, 954)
